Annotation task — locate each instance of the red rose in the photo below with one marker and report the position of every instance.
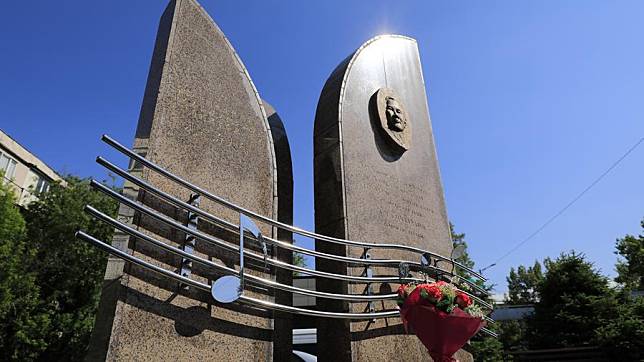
(431, 292)
(463, 300)
(401, 291)
(404, 292)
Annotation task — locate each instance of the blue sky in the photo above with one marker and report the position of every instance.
(530, 101)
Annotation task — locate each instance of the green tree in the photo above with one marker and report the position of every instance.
(68, 270)
(486, 349)
(522, 284)
(522, 289)
(630, 269)
(22, 329)
(298, 259)
(457, 240)
(622, 336)
(512, 334)
(574, 301)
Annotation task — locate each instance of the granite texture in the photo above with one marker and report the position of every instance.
(201, 119)
(283, 321)
(368, 190)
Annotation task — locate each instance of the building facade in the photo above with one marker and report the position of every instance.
(27, 175)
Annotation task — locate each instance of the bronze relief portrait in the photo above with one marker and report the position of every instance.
(393, 119)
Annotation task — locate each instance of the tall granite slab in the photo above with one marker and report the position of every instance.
(376, 179)
(203, 120)
(283, 322)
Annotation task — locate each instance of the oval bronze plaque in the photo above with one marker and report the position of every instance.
(393, 120)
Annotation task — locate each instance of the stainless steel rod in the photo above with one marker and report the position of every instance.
(180, 203)
(252, 301)
(233, 227)
(224, 269)
(256, 302)
(132, 259)
(318, 313)
(241, 253)
(126, 151)
(489, 332)
(261, 281)
(210, 239)
(215, 241)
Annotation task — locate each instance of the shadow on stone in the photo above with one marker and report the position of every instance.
(387, 153)
(192, 293)
(197, 319)
(186, 324)
(397, 329)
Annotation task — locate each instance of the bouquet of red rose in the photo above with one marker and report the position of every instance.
(441, 316)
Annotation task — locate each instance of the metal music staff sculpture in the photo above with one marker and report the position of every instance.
(230, 287)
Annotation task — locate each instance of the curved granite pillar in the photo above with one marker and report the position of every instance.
(203, 120)
(375, 181)
(283, 322)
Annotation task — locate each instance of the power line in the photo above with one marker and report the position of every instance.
(552, 218)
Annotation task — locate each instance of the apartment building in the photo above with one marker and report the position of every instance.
(23, 171)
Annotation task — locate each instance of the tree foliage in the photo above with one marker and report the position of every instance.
(522, 289)
(630, 269)
(457, 240)
(512, 334)
(622, 337)
(574, 300)
(486, 349)
(298, 259)
(68, 270)
(575, 306)
(50, 281)
(21, 327)
(522, 284)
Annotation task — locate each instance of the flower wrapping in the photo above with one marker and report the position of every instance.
(443, 333)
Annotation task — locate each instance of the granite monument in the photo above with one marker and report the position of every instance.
(201, 119)
(376, 180)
